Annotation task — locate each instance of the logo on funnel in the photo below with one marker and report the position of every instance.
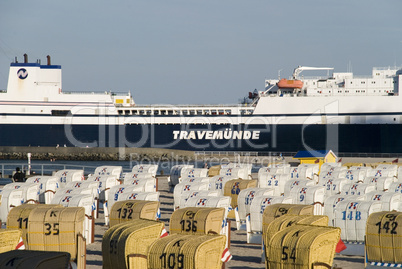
(22, 73)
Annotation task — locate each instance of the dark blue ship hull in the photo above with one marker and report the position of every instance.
(341, 138)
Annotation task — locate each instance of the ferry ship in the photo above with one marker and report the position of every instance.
(339, 111)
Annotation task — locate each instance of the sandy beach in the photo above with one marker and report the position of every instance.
(244, 255)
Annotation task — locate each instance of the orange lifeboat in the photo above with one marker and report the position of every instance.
(290, 83)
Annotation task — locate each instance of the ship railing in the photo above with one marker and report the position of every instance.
(93, 93)
(291, 154)
(243, 153)
(284, 94)
(387, 68)
(98, 93)
(189, 106)
(225, 153)
(361, 77)
(370, 155)
(268, 94)
(313, 77)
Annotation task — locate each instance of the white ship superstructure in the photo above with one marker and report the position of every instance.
(336, 112)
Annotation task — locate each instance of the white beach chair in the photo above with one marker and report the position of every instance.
(145, 168)
(175, 173)
(237, 172)
(381, 183)
(254, 219)
(334, 186)
(9, 198)
(192, 173)
(48, 185)
(30, 191)
(244, 200)
(330, 203)
(357, 188)
(351, 217)
(309, 195)
(147, 184)
(108, 171)
(181, 191)
(274, 181)
(86, 201)
(113, 195)
(389, 200)
(290, 184)
(68, 175)
(218, 182)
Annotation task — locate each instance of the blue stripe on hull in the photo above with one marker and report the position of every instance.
(353, 138)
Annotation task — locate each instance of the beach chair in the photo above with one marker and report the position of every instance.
(244, 203)
(68, 175)
(35, 259)
(274, 181)
(233, 187)
(330, 203)
(129, 210)
(197, 193)
(105, 182)
(18, 218)
(113, 195)
(190, 180)
(236, 172)
(290, 184)
(383, 241)
(145, 168)
(351, 216)
(9, 198)
(302, 246)
(86, 201)
(30, 191)
(192, 173)
(334, 186)
(48, 185)
(357, 188)
(309, 195)
(126, 245)
(141, 196)
(356, 174)
(254, 219)
(175, 174)
(218, 182)
(381, 183)
(147, 184)
(58, 229)
(187, 251)
(308, 171)
(389, 200)
(183, 190)
(108, 171)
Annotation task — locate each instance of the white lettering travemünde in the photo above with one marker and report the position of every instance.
(217, 135)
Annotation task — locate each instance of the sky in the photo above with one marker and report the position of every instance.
(197, 52)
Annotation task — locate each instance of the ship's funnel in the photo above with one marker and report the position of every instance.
(25, 58)
(48, 60)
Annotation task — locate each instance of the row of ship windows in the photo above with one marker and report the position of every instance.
(358, 91)
(346, 91)
(182, 112)
(364, 82)
(373, 82)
